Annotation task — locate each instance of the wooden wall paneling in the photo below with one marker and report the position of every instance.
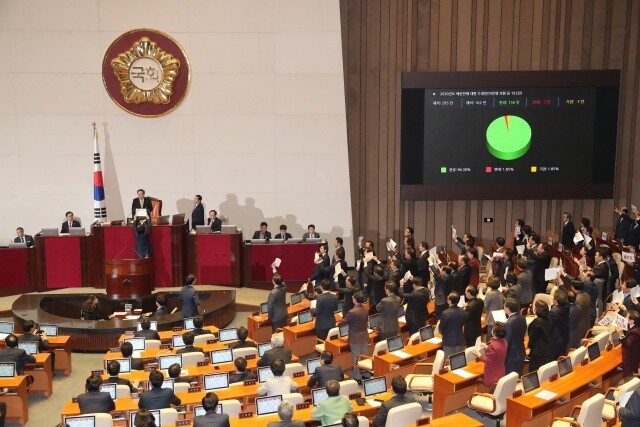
(430, 219)
(515, 34)
(634, 47)
(537, 211)
(596, 39)
(458, 217)
(386, 170)
(506, 35)
(486, 230)
(576, 34)
(524, 50)
(446, 35)
(442, 232)
(587, 30)
(434, 39)
(420, 223)
(473, 217)
(546, 50)
(464, 51)
(500, 218)
(493, 35)
(393, 145)
(537, 31)
(423, 31)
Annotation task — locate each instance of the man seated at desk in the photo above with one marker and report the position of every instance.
(11, 353)
(325, 372)
(198, 323)
(399, 398)
(283, 233)
(188, 339)
(145, 330)
(285, 412)
(158, 397)
(243, 334)
(127, 351)
(241, 374)
(211, 418)
(332, 409)
(113, 369)
(276, 352)
(278, 384)
(141, 202)
(311, 233)
(263, 233)
(23, 238)
(29, 335)
(70, 222)
(174, 372)
(214, 221)
(161, 308)
(95, 400)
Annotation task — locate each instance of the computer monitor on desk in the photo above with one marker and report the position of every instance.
(81, 421)
(530, 381)
(258, 241)
(294, 240)
(203, 229)
(17, 245)
(177, 219)
(229, 229)
(169, 359)
(49, 231)
(125, 364)
(426, 333)
(263, 347)
(395, 343)
(457, 361)
(313, 240)
(215, 381)
(76, 231)
(593, 350)
(312, 364)
(375, 386)
(276, 241)
(268, 405)
(305, 317)
(163, 220)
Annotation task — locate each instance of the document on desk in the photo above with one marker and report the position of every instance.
(374, 403)
(546, 395)
(462, 373)
(401, 354)
(434, 340)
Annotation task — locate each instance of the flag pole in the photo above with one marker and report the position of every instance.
(99, 205)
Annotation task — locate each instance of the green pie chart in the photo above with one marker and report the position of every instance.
(508, 137)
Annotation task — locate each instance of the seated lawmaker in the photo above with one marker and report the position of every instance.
(332, 409)
(325, 372)
(95, 400)
(198, 323)
(161, 307)
(278, 384)
(311, 233)
(241, 374)
(243, 334)
(30, 335)
(399, 398)
(144, 418)
(141, 202)
(23, 238)
(214, 221)
(90, 310)
(276, 352)
(211, 418)
(263, 233)
(158, 397)
(188, 338)
(285, 412)
(11, 353)
(127, 351)
(283, 233)
(70, 222)
(174, 372)
(113, 369)
(145, 330)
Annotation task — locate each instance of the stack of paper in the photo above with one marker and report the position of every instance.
(401, 354)
(545, 394)
(462, 373)
(578, 238)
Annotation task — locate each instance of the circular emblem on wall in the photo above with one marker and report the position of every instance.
(146, 73)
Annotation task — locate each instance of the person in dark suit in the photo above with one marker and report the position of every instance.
(395, 274)
(113, 369)
(541, 260)
(157, 397)
(514, 289)
(630, 414)
(442, 287)
(210, 418)
(11, 353)
(451, 326)
(283, 233)
(473, 316)
(214, 221)
(23, 238)
(311, 233)
(462, 277)
(399, 398)
(141, 202)
(575, 319)
(518, 233)
(127, 351)
(634, 233)
(30, 335)
(174, 372)
(322, 261)
(325, 372)
(539, 331)
(70, 222)
(161, 307)
(144, 418)
(388, 325)
(188, 339)
(263, 233)
(338, 258)
(568, 231)
(241, 374)
(350, 287)
(146, 332)
(243, 334)
(277, 351)
(416, 314)
(623, 225)
(516, 330)
(142, 236)
(189, 297)
(559, 315)
(357, 319)
(285, 412)
(95, 400)
(276, 303)
(326, 306)
(423, 262)
(197, 214)
(90, 310)
(525, 280)
(375, 277)
(198, 323)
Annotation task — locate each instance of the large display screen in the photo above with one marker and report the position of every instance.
(509, 135)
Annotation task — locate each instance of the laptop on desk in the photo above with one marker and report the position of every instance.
(530, 381)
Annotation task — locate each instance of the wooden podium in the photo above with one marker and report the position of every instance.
(129, 278)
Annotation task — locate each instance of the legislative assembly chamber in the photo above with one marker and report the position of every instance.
(289, 213)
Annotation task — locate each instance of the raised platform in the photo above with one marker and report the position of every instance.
(218, 308)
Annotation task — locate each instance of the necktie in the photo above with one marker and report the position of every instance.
(23, 240)
(70, 224)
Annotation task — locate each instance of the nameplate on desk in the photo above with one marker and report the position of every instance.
(183, 422)
(74, 399)
(298, 374)
(100, 372)
(114, 349)
(249, 382)
(181, 409)
(245, 415)
(423, 421)
(517, 393)
(129, 333)
(354, 396)
(212, 341)
(165, 346)
(149, 368)
(250, 357)
(194, 389)
(177, 328)
(135, 395)
(584, 362)
(203, 363)
(302, 405)
(118, 415)
(553, 377)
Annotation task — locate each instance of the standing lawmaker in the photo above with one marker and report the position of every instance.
(189, 297)
(197, 215)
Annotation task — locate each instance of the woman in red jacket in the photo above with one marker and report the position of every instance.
(494, 356)
(474, 263)
(631, 346)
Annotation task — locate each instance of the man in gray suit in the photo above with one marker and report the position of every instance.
(211, 419)
(325, 372)
(95, 400)
(277, 351)
(189, 297)
(326, 306)
(358, 339)
(158, 397)
(276, 303)
(311, 233)
(399, 386)
(388, 325)
(451, 324)
(11, 353)
(516, 330)
(285, 412)
(525, 279)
